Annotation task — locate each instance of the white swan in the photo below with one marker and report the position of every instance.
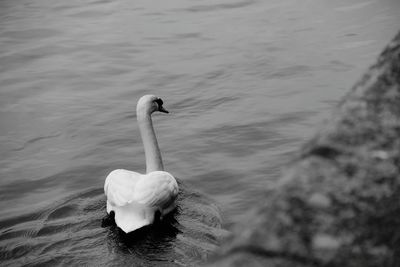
(135, 197)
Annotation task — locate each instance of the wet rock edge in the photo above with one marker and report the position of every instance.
(338, 204)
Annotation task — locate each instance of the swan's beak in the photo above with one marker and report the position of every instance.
(162, 109)
(160, 105)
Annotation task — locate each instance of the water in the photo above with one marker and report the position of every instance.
(246, 82)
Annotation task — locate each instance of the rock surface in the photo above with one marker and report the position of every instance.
(339, 202)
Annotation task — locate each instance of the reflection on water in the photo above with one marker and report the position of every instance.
(246, 83)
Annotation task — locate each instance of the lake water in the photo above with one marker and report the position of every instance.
(246, 82)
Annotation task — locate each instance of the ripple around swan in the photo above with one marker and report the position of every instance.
(75, 232)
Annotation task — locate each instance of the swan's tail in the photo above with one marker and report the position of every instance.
(132, 216)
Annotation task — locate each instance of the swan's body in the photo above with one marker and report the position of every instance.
(135, 198)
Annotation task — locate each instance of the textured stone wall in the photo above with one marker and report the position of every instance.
(339, 203)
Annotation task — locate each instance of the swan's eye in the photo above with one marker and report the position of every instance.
(160, 105)
(159, 102)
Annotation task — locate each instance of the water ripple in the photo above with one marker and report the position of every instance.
(222, 6)
(70, 232)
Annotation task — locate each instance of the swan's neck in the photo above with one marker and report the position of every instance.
(151, 149)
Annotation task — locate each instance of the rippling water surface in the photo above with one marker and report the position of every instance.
(246, 82)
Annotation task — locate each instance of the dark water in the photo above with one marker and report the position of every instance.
(246, 81)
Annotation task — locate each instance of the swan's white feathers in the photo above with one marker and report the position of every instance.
(157, 189)
(120, 186)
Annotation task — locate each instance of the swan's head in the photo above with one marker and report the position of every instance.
(149, 103)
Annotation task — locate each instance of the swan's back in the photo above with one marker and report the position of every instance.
(135, 198)
(158, 189)
(119, 187)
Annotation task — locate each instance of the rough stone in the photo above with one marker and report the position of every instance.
(339, 204)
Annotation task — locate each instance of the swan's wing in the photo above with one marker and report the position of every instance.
(157, 189)
(119, 187)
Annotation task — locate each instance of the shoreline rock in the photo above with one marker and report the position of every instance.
(339, 202)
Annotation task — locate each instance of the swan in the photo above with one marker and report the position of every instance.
(135, 198)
